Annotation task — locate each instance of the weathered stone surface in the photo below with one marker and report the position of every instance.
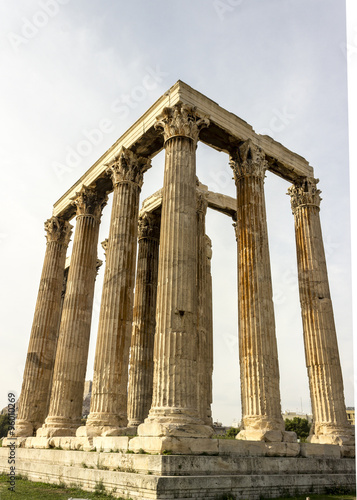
(161, 477)
(37, 379)
(319, 450)
(175, 445)
(258, 353)
(282, 449)
(321, 349)
(174, 401)
(204, 315)
(72, 351)
(113, 443)
(289, 437)
(241, 447)
(143, 330)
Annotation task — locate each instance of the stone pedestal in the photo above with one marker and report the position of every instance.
(36, 386)
(321, 349)
(143, 332)
(71, 358)
(108, 410)
(174, 406)
(258, 355)
(204, 315)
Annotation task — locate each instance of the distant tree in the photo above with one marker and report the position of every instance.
(299, 425)
(232, 432)
(4, 425)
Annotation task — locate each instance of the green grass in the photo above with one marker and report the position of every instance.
(29, 490)
(342, 496)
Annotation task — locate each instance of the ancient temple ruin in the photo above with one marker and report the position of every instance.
(165, 398)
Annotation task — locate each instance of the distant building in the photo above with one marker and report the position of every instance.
(292, 414)
(236, 424)
(350, 410)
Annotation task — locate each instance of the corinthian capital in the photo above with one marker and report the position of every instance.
(248, 161)
(58, 230)
(88, 202)
(128, 167)
(148, 226)
(304, 192)
(181, 120)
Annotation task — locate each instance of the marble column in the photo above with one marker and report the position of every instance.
(174, 405)
(321, 349)
(143, 331)
(209, 328)
(258, 355)
(204, 296)
(108, 410)
(36, 386)
(71, 358)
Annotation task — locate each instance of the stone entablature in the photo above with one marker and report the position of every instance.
(224, 133)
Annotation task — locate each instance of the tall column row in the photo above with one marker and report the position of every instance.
(169, 323)
(65, 410)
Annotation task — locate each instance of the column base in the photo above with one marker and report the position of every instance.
(58, 427)
(267, 436)
(90, 431)
(106, 420)
(330, 434)
(258, 428)
(24, 428)
(135, 423)
(174, 425)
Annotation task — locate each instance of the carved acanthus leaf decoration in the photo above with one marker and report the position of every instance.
(88, 202)
(58, 230)
(128, 167)
(304, 192)
(148, 226)
(181, 120)
(248, 161)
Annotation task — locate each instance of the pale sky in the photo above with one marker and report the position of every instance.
(70, 67)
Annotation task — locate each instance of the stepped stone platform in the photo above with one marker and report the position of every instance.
(238, 469)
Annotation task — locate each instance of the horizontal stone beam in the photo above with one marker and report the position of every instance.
(224, 133)
(220, 202)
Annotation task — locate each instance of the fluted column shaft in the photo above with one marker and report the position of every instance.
(72, 352)
(176, 346)
(321, 349)
(143, 331)
(108, 410)
(258, 354)
(209, 329)
(36, 386)
(204, 296)
(174, 401)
